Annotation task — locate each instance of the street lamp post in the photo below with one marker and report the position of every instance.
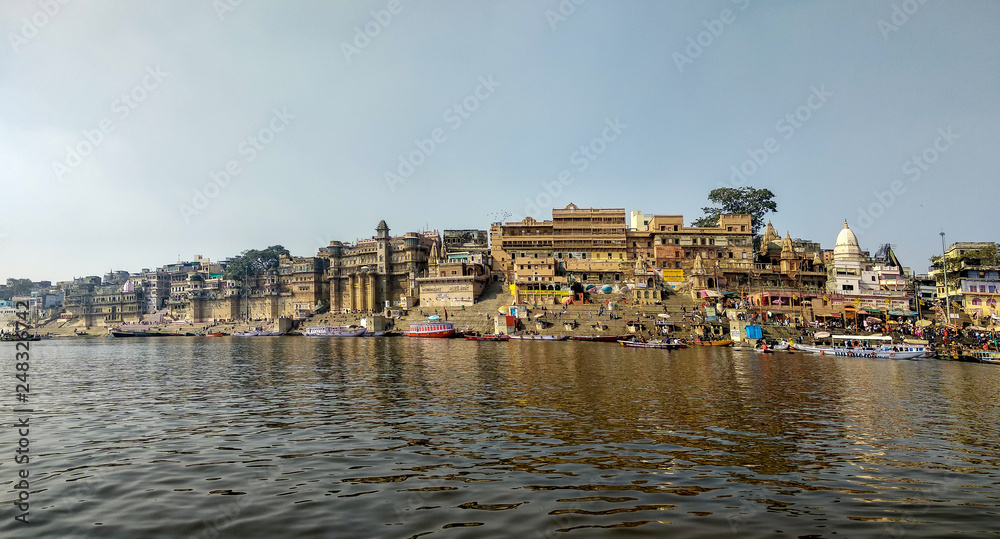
(944, 268)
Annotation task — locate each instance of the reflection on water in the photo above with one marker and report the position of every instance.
(305, 437)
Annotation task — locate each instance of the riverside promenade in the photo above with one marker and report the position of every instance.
(578, 319)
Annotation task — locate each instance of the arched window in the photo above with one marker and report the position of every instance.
(977, 301)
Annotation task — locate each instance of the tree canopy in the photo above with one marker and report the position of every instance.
(17, 287)
(986, 256)
(254, 262)
(755, 202)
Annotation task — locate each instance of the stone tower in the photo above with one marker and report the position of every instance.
(383, 250)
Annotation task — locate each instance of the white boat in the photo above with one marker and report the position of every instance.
(782, 346)
(539, 337)
(861, 346)
(334, 331)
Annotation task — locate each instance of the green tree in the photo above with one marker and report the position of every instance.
(254, 262)
(17, 287)
(748, 200)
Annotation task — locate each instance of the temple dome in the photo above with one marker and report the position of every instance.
(847, 247)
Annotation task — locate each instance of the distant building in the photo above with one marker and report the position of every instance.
(469, 241)
(380, 272)
(302, 282)
(980, 287)
(104, 304)
(453, 282)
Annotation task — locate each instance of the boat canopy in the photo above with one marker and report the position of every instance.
(863, 337)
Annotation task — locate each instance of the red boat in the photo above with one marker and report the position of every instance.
(596, 338)
(431, 329)
(487, 337)
(215, 334)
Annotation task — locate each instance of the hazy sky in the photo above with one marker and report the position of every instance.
(118, 120)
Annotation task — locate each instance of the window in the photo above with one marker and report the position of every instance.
(977, 301)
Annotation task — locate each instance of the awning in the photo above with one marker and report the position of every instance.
(710, 294)
(904, 313)
(872, 310)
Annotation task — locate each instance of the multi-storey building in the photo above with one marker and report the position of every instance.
(466, 240)
(156, 285)
(302, 281)
(378, 272)
(104, 304)
(664, 243)
(961, 254)
(453, 282)
(980, 286)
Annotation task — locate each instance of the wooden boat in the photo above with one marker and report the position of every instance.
(663, 345)
(986, 356)
(487, 337)
(440, 330)
(539, 337)
(722, 342)
(595, 338)
(215, 334)
(16, 337)
(121, 334)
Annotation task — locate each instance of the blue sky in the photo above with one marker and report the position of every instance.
(118, 120)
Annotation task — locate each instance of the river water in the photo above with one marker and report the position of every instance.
(397, 437)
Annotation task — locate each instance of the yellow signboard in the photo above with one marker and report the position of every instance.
(674, 275)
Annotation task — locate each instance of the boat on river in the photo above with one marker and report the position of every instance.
(663, 345)
(258, 334)
(720, 342)
(595, 338)
(122, 334)
(334, 331)
(539, 337)
(17, 337)
(434, 329)
(986, 356)
(486, 337)
(782, 346)
(861, 346)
